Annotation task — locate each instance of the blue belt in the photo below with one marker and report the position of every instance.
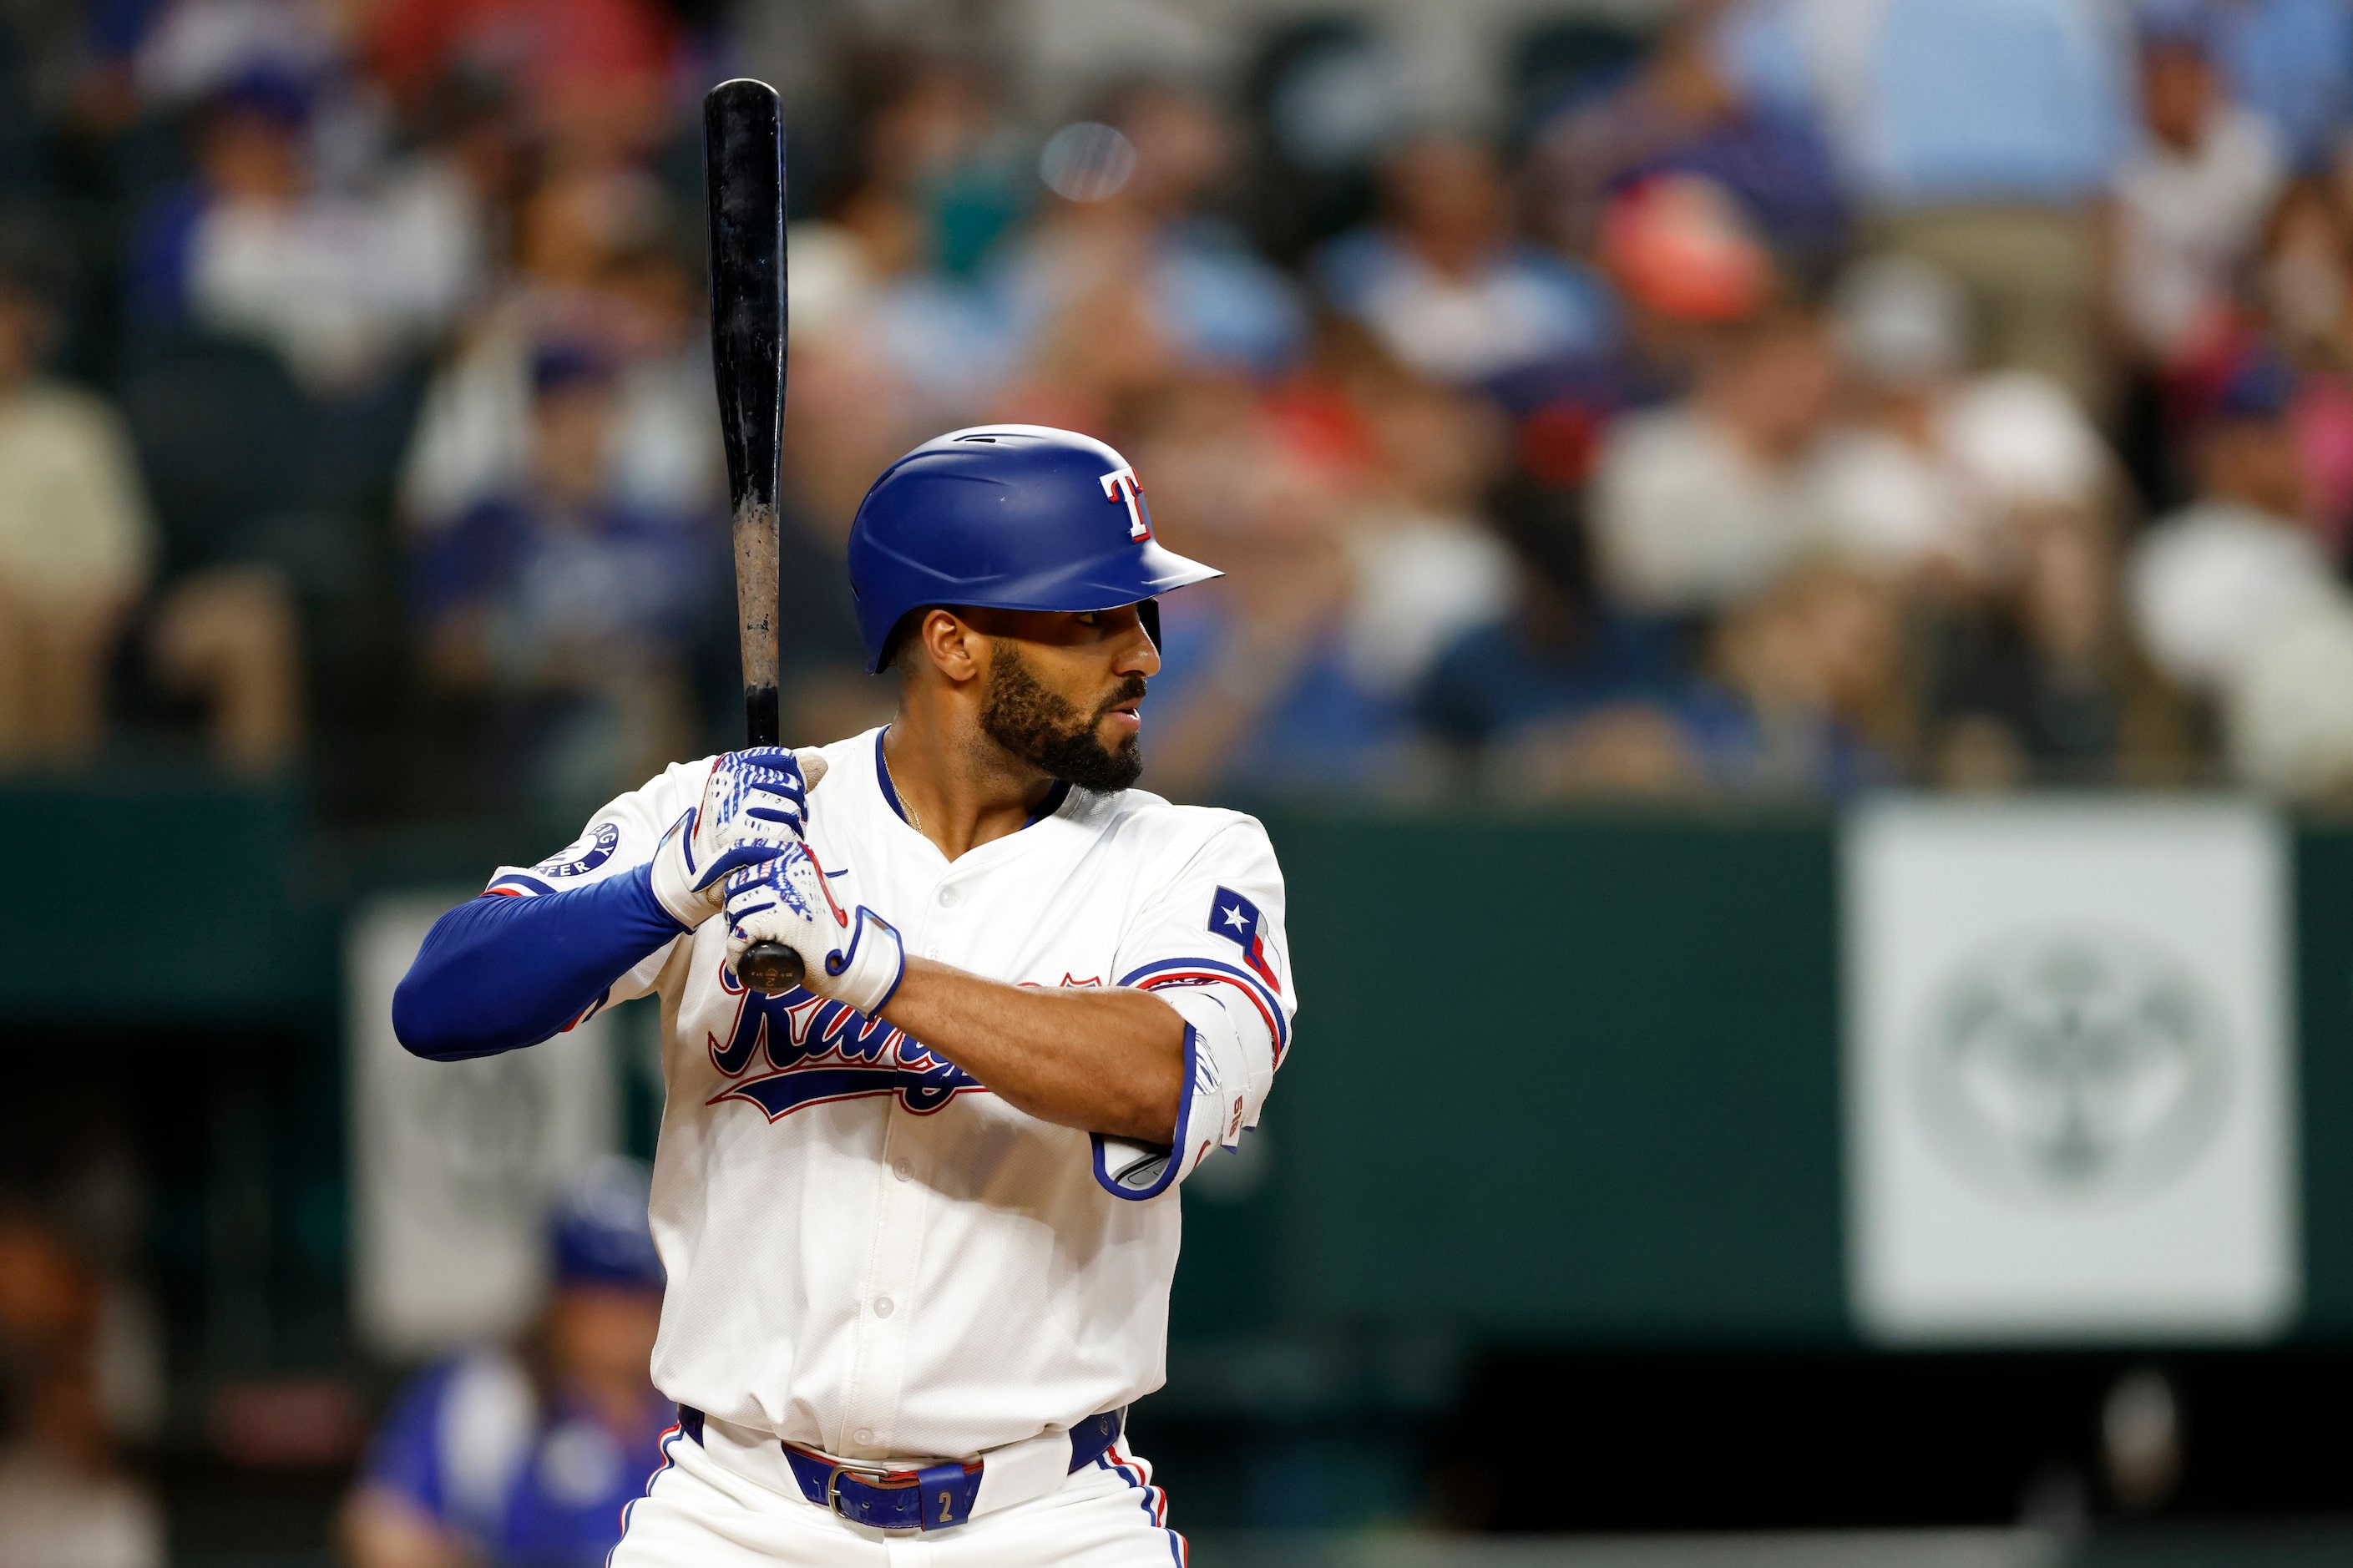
(937, 1496)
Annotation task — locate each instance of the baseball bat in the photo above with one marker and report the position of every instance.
(744, 182)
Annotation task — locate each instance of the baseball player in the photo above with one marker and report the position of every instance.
(919, 1214)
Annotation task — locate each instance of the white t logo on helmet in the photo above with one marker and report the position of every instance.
(1121, 484)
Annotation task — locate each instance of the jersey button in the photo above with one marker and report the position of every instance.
(949, 898)
(931, 953)
(903, 1169)
(882, 1307)
(864, 1435)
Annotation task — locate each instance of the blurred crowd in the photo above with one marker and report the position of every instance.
(1792, 396)
(78, 1380)
(523, 1453)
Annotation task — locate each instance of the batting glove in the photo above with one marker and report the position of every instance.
(754, 803)
(852, 958)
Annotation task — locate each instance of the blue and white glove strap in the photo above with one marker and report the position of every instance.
(858, 959)
(867, 972)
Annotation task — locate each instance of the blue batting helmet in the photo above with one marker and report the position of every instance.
(1008, 516)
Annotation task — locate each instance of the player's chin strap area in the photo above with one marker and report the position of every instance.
(937, 1496)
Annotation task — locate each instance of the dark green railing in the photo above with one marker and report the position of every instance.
(1571, 1078)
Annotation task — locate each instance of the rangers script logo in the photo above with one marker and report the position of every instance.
(817, 1051)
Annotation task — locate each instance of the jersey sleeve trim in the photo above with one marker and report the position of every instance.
(514, 883)
(589, 1012)
(1150, 1178)
(1211, 971)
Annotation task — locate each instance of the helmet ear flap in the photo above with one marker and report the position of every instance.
(901, 630)
(1148, 612)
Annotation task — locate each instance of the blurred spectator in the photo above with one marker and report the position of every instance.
(1802, 695)
(230, 638)
(1810, 697)
(2304, 274)
(567, 604)
(898, 271)
(592, 271)
(337, 285)
(2210, 584)
(1977, 137)
(2290, 61)
(528, 1458)
(2301, 288)
(176, 53)
(149, 67)
(65, 1500)
(228, 446)
(594, 73)
(2288, 716)
(2190, 201)
(1256, 689)
(1710, 501)
(1409, 464)
(1129, 255)
(2043, 684)
(1444, 284)
(76, 545)
(1939, 467)
(1684, 113)
(1562, 695)
(1423, 562)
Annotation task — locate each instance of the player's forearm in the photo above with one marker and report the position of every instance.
(1109, 1061)
(496, 974)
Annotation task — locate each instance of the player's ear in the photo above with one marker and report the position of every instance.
(951, 644)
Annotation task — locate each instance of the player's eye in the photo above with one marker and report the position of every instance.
(1089, 617)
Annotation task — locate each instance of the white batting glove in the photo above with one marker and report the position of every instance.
(754, 803)
(852, 958)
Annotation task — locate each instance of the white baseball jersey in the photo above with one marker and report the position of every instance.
(870, 1254)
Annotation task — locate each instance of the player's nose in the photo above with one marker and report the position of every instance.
(1136, 655)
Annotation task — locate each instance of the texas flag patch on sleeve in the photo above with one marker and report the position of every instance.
(1236, 919)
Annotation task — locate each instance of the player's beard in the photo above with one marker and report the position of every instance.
(1049, 732)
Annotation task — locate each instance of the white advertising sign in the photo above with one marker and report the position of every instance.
(2069, 1077)
(454, 1162)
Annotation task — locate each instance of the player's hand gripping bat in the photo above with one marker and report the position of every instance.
(743, 178)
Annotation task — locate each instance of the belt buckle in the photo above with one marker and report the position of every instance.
(872, 1478)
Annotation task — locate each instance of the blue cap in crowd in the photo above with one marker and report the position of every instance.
(2181, 22)
(2261, 388)
(561, 364)
(267, 92)
(598, 1230)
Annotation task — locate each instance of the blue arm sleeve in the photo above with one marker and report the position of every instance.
(498, 973)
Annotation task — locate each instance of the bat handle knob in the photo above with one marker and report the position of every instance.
(770, 968)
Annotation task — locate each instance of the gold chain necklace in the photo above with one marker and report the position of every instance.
(906, 807)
